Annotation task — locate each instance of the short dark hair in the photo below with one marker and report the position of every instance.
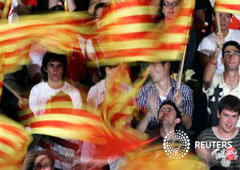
(48, 57)
(30, 166)
(229, 102)
(230, 43)
(178, 113)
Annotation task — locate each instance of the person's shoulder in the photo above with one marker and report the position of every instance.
(233, 31)
(39, 86)
(205, 133)
(210, 36)
(69, 86)
(185, 87)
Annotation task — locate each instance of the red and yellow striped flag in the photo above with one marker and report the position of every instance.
(228, 6)
(172, 39)
(128, 33)
(14, 141)
(122, 30)
(55, 32)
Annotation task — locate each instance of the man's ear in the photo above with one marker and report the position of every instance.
(218, 114)
(107, 69)
(177, 120)
(222, 60)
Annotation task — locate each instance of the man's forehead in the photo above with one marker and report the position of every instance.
(55, 62)
(231, 47)
(229, 112)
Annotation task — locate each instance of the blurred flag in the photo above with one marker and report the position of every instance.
(14, 141)
(121, 31)
(228, 6)
(55, 32)
(172, 39)
(128, 33)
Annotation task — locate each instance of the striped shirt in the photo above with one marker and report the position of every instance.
(150, 88)
(225, 152)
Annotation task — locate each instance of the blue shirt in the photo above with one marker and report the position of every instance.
(150, 88)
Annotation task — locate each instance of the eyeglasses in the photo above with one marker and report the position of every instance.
(170, 4)
(166, 110)
(228, 53)
(47, 166)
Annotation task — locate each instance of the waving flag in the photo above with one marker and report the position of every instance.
(121, 32)
(55, 32)
(172, 39)
(229, 6)
(14, 141)
(127, 33)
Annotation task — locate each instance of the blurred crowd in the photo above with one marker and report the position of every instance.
(205, 105)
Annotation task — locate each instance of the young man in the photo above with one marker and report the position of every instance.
(53, 72)
(168, 116)
(217, 86)
(219, 146)
(162, 88)
(209, 45)
(48, 92)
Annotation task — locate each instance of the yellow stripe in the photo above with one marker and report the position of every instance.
(126, 59)
(227, 10)
(129, 28)
(124, 45)
(170, 38)
(125, 12)
(228, 2)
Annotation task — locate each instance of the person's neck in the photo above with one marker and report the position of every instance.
(55, 84)
(221, 133)
(163, 86)
(164, 130)
(225, 32)
(231, 78)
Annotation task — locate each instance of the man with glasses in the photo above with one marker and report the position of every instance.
(218, 86)
(211, 43)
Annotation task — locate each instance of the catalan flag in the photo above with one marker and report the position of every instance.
(228, 6)
(14, 141)
(55, 32)
(128, 33)
(121, 32)
(172, 39)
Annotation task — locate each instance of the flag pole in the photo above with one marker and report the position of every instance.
(218, 22)
(12, 91)
(180, 72)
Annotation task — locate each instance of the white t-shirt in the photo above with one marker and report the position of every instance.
(218, 81)
(208, 46)
(41, 93)
(97, 93)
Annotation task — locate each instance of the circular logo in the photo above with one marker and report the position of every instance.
(176, 144)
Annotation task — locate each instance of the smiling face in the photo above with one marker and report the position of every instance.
(231, 58)
(228, 120)
(158, 71)
(170, 8)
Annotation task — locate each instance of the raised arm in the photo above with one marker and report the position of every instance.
(212, 64)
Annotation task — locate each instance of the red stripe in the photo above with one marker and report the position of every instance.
(172, 46)
(229, 6)
(8, 143)
(13, 130)
(117, 116)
